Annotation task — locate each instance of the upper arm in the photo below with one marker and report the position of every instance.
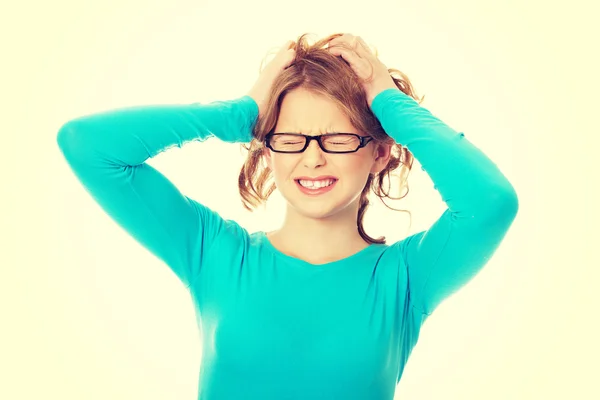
(453, 250)
(146, 204)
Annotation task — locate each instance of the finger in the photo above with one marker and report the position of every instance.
(359, 46)
(341, 41)
(356, 62)
(288, 45)
(363, 46)
(346, 53)
(355, 43)
(290, 56)
(337, 48)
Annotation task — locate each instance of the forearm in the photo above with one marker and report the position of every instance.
(129, 136)
(468, 181)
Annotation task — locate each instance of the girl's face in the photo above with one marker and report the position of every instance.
(311, 114)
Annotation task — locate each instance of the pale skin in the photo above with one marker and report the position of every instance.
(323, 229)
(320, 229)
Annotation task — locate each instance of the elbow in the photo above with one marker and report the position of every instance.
(510, 200)
(72, 141)
(503, 204)
(66, 139)
(64, 135)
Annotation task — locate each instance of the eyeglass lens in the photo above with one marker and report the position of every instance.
(336, 142)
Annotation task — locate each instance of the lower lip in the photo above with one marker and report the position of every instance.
(315, 192)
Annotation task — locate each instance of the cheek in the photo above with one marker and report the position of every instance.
(353, 166)
(282, 168)
(355, 174)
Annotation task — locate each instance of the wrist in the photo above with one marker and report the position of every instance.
(379, 87)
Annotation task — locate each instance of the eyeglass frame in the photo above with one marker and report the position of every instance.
(364, 140)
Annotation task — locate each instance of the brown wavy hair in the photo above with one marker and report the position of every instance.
(317, 70)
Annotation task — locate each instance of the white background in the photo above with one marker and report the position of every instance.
(87, 313)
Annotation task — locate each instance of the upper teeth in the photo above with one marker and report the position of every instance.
(316, 184)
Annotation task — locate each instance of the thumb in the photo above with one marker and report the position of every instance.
(290, 53)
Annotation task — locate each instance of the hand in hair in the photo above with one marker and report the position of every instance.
(261, 89)
(374, 75)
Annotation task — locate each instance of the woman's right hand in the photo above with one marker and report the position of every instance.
(261, 89)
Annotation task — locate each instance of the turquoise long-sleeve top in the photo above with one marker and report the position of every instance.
(274, 326)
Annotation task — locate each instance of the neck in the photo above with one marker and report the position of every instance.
(319, 240)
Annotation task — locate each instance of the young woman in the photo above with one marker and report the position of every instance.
(316, 309)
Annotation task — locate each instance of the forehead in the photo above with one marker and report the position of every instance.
(306, 112)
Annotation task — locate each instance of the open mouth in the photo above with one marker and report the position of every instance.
(316, 187)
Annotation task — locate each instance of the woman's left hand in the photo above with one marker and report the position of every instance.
(373, 73)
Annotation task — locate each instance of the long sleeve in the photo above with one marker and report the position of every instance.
(107, 153)
(482, 203)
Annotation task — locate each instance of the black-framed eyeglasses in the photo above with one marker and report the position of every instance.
(329, 142)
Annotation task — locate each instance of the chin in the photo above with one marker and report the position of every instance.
(315, 213)
(318, 209)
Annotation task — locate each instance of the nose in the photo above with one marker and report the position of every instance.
(313, 156)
